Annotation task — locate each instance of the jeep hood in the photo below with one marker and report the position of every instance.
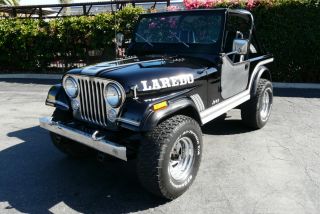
(148, 75)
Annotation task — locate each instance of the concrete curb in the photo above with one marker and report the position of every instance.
(296, 85)
(31, 76)
(59, 76)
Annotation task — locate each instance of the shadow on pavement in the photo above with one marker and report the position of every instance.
(220, 126)
(35, 178)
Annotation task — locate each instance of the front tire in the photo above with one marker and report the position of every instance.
(255, 113)
(170, 156)
(69, 147)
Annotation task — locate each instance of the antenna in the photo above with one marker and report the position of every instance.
(115, 31)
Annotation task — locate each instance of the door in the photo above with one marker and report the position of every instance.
(235, 68)
(234, 77)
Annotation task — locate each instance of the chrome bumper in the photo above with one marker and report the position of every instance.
(92, 141)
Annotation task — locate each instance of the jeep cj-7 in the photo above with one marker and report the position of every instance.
(185, 69)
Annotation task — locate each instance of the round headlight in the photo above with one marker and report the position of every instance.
(113, 95)
(71, 87)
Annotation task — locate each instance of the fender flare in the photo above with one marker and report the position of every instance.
(58, 98)
(262, 72)
(155, 117)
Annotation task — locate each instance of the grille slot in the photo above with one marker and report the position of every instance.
(92, 102)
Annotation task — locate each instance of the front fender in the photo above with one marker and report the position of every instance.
(58, 98)
(174, 106)
(138, 115)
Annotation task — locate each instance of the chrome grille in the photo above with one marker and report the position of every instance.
(92, 102)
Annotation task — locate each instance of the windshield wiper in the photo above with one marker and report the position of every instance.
(144, 39)
(179, 40)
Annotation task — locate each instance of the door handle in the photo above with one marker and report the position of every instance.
(246, 66)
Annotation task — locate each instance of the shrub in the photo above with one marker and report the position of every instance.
(31, 44)
(291, 31)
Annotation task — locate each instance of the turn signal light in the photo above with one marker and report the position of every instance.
(159, 106)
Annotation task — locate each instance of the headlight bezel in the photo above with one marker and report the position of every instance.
(120, 94)
(74, 82)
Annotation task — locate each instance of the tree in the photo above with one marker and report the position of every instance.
(9, 2)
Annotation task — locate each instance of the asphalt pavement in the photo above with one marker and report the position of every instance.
(274, 170)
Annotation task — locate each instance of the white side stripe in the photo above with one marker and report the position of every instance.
(221, 108)
(198, 101)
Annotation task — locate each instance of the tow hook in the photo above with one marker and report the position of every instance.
(95, 136)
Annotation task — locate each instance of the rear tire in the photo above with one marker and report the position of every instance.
(65, 145)
(255, 113)
(170, 156)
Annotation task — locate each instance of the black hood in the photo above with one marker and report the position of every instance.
(130, 72)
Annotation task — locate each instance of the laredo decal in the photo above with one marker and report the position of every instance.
(167, 82)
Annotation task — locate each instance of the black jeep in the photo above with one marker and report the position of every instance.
(187, 68)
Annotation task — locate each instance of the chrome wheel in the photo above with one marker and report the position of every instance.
(266, 104)
(181, 159)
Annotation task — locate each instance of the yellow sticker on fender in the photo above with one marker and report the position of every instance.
(161, 105)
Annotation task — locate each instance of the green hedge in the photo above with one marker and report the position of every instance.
(291, 31)
(30, 44)
(288, 29)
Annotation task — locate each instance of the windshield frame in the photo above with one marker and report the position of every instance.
(142, 48)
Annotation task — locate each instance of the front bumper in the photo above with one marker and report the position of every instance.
(99, 143)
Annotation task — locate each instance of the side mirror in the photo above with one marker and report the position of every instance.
(119, 39)
(240, 46)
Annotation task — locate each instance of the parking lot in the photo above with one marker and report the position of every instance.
(270, 171)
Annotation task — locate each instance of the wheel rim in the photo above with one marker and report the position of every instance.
(266, 105)
(181, 159)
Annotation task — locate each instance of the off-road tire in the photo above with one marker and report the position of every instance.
(154, 156)
(250, 111)
(65, 145)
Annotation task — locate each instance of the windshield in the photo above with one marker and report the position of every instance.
(184, 29)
